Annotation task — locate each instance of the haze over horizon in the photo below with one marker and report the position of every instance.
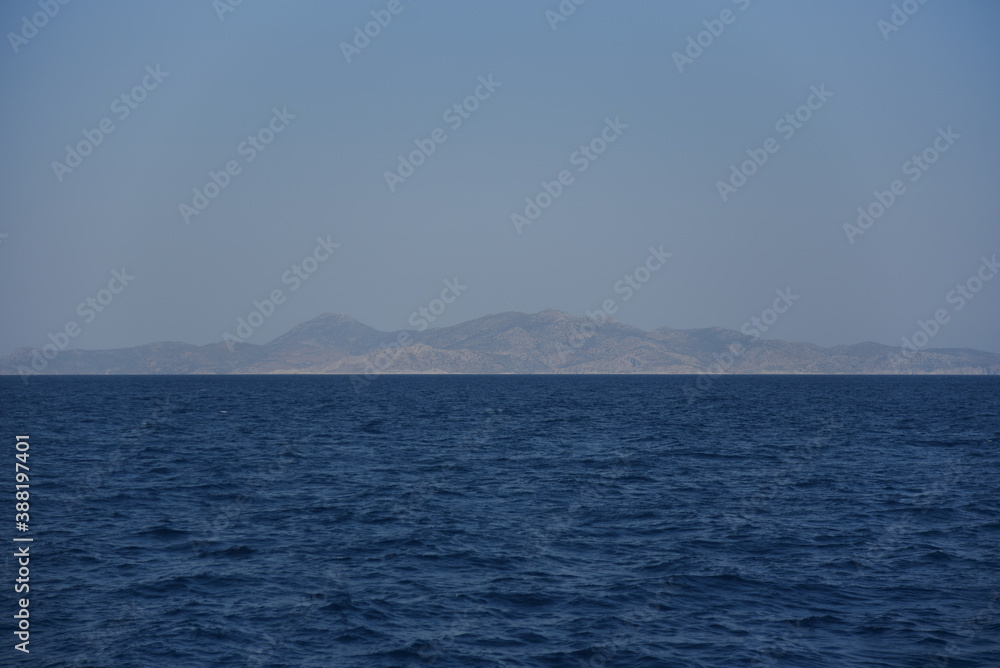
(299, 124)
(753, 324)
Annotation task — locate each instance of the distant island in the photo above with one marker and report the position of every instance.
(549, 342)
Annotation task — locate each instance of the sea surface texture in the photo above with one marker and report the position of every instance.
(507, 521)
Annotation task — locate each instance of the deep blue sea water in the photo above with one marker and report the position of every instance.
(508, 521)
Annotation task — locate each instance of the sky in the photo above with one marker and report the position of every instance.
(740, 137)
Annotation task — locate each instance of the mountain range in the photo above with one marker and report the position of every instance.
(547, 342)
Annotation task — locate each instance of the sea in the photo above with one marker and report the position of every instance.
(467, 521)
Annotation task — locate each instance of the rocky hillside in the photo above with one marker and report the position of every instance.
(546, 342)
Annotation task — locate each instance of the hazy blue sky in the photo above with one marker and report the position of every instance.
(656, 184)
